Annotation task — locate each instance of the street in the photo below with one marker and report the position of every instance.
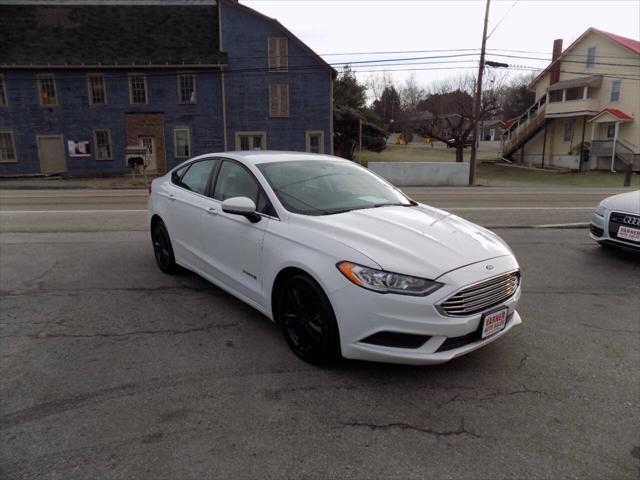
(111, 369)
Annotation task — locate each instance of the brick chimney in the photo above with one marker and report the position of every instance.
(555, 70)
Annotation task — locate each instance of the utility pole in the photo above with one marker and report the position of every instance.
(478, 98)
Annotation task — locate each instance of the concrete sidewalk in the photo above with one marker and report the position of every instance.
(60, 183)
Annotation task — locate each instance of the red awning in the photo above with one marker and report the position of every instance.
(614, 112)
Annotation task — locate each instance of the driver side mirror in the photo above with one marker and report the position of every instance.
(241, 206)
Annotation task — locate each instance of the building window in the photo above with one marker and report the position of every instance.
(315, 141)
(251, 141)
(102, 139)
(182, 142)
(574, 93)
(47, 90)
(278, 100)
(616, 86)
(611, 130)
(591, 57)
(3, 92)
(97, 89)
(278, 53)
(186, 88)
(568, 131)
(137, 89)
(7, 147)
(555, 96)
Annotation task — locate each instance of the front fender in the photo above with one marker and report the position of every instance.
(307, 250)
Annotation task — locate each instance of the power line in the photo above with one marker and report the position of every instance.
(500, 21)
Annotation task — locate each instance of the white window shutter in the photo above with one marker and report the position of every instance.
(283, 53)
(272, 46)
(273, 100)
(284, 100)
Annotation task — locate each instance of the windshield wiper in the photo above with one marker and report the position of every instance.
(378, 205)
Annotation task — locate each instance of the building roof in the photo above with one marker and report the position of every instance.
(614, 112)
(275, 22)
(76, 34)
(628, 43)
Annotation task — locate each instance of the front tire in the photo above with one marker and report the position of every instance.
(162, 248)
(307, 319)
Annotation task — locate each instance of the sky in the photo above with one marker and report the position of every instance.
(345, 26)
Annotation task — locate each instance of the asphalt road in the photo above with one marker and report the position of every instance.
(110, 369)
(118, 210)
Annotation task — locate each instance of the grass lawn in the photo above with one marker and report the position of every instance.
(499, 175)
(419, 153)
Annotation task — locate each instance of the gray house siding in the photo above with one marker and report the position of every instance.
(74, 118)
(244, 38)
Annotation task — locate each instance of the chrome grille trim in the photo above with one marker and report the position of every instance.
(480, 296)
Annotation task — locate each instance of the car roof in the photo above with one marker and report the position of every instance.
(270, 156)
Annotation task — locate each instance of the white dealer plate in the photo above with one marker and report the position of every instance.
(627, 233)
(494, 322)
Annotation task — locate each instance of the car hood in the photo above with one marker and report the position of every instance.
(420, 241)
(626, 202)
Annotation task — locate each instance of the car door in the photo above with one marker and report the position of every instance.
(188, 205)
(232, 244)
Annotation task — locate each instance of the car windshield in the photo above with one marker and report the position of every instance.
(325, 187)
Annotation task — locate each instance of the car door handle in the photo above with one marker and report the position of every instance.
(212, 211)
(172, 196)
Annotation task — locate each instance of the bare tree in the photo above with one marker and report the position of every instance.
(377, 83)
(451, 104)
(411, 93)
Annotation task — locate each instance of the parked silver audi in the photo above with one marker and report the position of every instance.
(616, 220)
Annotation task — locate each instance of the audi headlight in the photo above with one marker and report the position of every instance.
(387, 282)
(600, 210)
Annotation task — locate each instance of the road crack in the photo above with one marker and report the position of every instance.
(168, 331)
(460, 431)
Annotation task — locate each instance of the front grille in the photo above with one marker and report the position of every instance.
(597, 231)
(617, 220)
(480, 296)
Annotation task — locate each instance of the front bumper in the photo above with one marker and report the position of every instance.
(600, 231)
(362, 313)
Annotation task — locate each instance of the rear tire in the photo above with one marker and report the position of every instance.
(307, 319)
(162, 248)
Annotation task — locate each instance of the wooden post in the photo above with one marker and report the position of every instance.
(628, 170)
(544, 146)
(478, 98)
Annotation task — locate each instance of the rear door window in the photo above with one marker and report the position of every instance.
(177, 174)
(196, 178)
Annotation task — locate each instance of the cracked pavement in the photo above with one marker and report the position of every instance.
(110, 369)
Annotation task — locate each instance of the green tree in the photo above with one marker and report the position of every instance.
(348, 92)
(349, 98)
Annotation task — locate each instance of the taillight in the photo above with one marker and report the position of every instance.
(149, 188)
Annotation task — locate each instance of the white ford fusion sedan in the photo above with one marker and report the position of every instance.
(616, 220)
(343, 261)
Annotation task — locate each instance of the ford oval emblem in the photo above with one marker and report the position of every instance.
(489, 267)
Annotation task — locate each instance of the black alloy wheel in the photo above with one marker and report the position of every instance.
(308, 321)
(162, 248)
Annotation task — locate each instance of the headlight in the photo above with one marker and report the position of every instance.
(600, 210)
(387, 282)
